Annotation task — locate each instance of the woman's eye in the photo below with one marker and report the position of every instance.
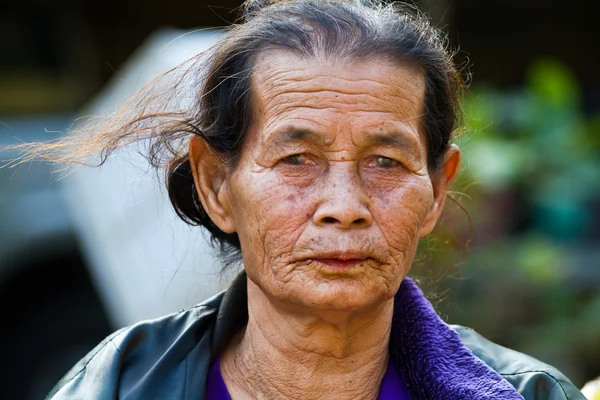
(384, 162)
(296, 159)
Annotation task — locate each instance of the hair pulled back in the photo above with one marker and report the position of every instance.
(221, 110)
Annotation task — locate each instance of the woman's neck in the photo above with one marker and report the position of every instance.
(285, 353)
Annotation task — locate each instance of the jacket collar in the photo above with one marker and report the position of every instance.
(428, 353)
(231, 316)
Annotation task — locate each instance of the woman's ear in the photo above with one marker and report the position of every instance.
(442, 179)
(209, 173)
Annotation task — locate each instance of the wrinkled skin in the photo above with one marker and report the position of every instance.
(334, 166)
(329, 199)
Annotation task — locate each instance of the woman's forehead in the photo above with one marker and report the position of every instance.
(375, 92)
(279, 72)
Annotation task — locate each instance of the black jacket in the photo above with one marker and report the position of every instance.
(168, 358)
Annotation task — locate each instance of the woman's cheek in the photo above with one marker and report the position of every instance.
(401, 212)
(286, 213)
(274, 212)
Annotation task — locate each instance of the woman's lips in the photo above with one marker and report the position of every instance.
(340, 263)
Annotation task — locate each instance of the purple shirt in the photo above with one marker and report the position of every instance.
(392, 385)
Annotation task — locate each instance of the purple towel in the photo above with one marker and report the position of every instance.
(431, 358)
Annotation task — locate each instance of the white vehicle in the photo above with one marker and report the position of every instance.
(100, 248)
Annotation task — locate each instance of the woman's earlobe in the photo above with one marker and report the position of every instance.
(209, 174)
(432, 217)
(226, 224)
(440, 183)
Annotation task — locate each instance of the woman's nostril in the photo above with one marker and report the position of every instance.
(333, 220)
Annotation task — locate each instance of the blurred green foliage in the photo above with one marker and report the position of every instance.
(530, 278)
(538, 141)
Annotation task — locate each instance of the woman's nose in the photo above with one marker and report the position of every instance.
(343, 202)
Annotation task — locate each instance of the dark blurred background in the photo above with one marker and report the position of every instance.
(529, 275)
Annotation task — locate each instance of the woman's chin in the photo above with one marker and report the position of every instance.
(339, 295)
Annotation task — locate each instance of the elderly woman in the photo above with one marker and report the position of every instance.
(319, 150)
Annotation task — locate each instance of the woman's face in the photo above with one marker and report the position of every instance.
(332, 191)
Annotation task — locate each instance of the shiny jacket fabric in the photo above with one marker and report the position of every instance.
(169, 358)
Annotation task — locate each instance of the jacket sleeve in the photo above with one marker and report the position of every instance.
(164, 358)
(533, 379)
(540, 385)
(96, 376)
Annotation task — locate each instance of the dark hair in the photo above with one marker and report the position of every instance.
(222, 110)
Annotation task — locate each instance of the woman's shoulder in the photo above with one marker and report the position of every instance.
(531, 377)
(148, 359)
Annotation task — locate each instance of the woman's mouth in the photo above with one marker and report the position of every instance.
(340, 263)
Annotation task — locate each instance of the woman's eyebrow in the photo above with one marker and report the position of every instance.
(296, 135)
(393, 139)
(286, 138)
